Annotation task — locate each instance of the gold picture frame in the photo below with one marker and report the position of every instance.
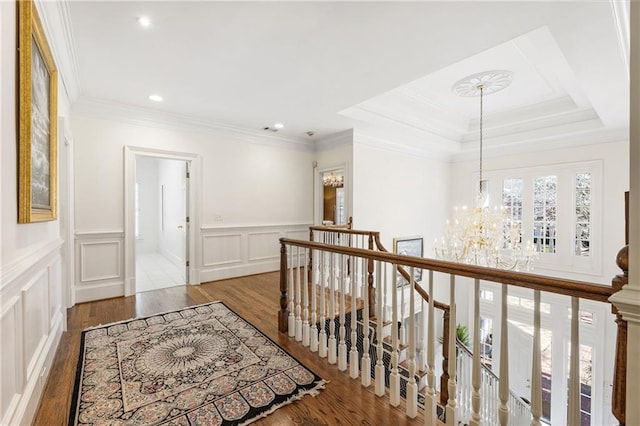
(38, 118)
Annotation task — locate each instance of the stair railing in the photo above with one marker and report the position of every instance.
(519, 410)
(336, 268)
(347, 237)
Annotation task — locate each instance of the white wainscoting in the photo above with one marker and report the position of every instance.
(99, 268)
(31, 323)
(236, 251)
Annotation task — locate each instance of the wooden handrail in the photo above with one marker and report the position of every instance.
(581, 289)
(330, 228)
(437, 304)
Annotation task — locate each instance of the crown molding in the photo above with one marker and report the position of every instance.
(388, 116)
(556, 124)
(535, 143)
(383, 143)
(147, 117)
(56, 21)
(336, 140)
(620, 12)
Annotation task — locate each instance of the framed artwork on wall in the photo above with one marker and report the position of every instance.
(37, 118)
(408, 246)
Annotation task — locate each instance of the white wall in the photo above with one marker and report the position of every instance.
(149, 207)
(243, 184)
(399, 194)
(31, 289)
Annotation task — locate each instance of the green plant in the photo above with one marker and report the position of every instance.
(462, 333)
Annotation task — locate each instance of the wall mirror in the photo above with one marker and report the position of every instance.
(333, 199)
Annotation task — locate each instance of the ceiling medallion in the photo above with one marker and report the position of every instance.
(489, 81)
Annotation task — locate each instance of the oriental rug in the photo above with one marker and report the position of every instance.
(202, 365)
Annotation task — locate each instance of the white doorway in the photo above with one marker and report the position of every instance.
(333, 209)
(161, 199)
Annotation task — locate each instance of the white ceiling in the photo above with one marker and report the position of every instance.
(330, 66)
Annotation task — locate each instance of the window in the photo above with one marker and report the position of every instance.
(544, 213)
(512, 203)
(557, 208)
(486, 340)
(585, 366)
(583, 213)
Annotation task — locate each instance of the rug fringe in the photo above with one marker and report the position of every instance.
(321, 384)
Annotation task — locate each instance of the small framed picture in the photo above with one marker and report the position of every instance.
(38, 117)
(409, 246)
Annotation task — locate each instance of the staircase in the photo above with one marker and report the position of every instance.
(342, 286)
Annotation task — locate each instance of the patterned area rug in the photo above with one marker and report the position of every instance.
(203, 365)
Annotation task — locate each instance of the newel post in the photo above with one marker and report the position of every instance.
(283, 313)
(618, 403)
(310, 268)
(444, 379)
(370, 270)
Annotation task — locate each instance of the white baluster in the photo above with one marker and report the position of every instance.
(430, 413)
(365, 375)
(353, 353)
(503, 410)
(402, 332)
(342, 344)
(380, 379)
(573, 404)
(332, 310)
(412, 387)
(475, 397)
(536, 368)
(292, 318)
(420, 355)
(451, 409)
(305, 300)
(394, 376)
(298, 297)
(322, 344)
(315, 267)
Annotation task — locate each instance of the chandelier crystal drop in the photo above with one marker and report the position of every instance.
(483, 235)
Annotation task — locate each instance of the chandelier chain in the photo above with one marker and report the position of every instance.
(481, 87)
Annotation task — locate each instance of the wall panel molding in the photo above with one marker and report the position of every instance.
(108, 268)
(99, 265)
(242, 250)
(221, 249)
(31, 324)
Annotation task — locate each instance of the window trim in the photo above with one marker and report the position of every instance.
(564, 260)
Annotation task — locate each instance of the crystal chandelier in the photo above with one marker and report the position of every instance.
(329, 179)
(483, 235)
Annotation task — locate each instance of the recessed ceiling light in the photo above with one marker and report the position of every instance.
(278, 126)
(155, 98)
(144, 21)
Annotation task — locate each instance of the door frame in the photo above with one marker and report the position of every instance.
(193, 230)
(318, 213)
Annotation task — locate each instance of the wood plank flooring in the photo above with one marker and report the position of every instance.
(255, 298)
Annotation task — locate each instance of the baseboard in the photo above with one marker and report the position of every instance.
(238, 271)
(30, 399)
(89, 293)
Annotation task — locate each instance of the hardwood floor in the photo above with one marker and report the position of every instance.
(255, 298)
